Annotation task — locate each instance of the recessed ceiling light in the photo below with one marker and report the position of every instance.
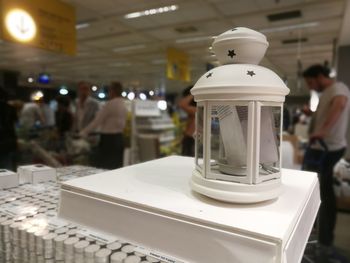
(142, 96)
(153, 11)
(102, 95)
(290, 27)
(63, 91)
(131, 96)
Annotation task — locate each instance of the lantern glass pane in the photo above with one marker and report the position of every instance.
(199, 137)
(228, 142)
(270, 135)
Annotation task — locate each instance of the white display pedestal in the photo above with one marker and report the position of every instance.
(151, 204)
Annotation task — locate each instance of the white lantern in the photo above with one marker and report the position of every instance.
(239, 122)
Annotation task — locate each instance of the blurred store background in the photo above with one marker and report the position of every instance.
(62, 62)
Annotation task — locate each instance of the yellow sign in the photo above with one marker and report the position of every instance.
(178, 67)
(46, 24)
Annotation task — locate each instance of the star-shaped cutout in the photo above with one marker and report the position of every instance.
(209, 75)
(251, 73)
(231, 53)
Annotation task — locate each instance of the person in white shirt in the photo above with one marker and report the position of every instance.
(30, 115)
(329, 124)
(110, 120)
(86, 107)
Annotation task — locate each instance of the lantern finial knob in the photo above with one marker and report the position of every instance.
(240, 45)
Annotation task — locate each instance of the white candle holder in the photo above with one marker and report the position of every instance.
(239, 122)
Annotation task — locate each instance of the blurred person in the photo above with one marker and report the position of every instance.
(86, 106)
(48, 113)
(188, 104)
(63, 116)
(330, 125)
(111, 120)
(31, 114)
(8, 138)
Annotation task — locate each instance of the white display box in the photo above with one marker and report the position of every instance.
(36, 173)
(151, 204)
(8, 179)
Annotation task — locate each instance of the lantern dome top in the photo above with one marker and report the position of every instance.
(240, 45)
(240, 82)
(240, 78)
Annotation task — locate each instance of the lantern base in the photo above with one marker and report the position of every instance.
(235, 192)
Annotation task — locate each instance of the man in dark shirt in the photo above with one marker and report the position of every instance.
(8, 138)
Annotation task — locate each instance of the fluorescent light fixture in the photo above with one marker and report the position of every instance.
(124, 94)
(153, 11)
(162, 105)
(63, 91)
(101, 95)
(81, 26)
(128, 48)
(151, 92)
(290, 27)
(94, 88)
(142, 96)
(193, 39)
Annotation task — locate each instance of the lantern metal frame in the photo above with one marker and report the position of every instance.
(244, 189)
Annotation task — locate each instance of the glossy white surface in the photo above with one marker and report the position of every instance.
(8, 179)
(163, 185)
(240, 45)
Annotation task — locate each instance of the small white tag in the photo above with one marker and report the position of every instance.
(105, 238)
(56, 223)
(157, 255)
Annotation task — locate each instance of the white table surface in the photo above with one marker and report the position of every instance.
(163, 184)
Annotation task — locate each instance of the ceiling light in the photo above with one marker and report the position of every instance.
(30, 80)
(128, 48)
(124, 94)
(153, 11)
(290, 27)
(131, 96)
(81, 26)
(63, 91)
(193, 39)
(101, 95)
(94, 88)
(151, 92)
(162, 105)
(142, 96)
(37, 95)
